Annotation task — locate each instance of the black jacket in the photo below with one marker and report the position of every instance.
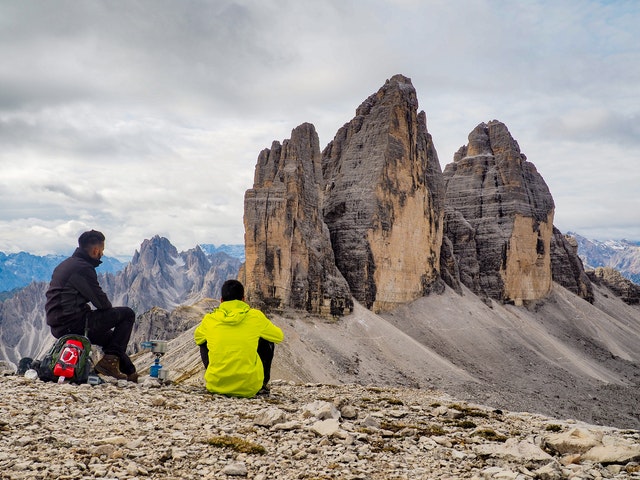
(74, 284)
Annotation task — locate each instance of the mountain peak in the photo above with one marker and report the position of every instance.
(155, 250)
(501, 210)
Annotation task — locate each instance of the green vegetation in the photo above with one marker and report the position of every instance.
(237, 445)
(422, 430)
(471, 412)
(491, 435)
(378, 446)
(466, 424)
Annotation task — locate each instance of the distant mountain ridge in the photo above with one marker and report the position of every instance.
(621, 255)
(17, 270)
(236, 251)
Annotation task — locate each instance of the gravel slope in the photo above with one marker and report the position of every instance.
(562, 357)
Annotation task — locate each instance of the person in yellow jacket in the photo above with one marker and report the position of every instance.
(236, 345)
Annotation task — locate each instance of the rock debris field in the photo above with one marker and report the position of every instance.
(172, 431)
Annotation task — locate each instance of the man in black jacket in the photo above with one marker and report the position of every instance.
(74, 284)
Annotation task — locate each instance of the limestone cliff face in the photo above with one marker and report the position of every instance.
(461, 236)
(500, 218)
(383, 199)
(566, 266)
(289, 261)
(367, 217)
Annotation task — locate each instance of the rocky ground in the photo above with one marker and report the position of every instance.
(300, 431)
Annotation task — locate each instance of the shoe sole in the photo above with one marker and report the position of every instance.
(107, 374)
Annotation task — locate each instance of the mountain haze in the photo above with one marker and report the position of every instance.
(621, 255)
(20, 269)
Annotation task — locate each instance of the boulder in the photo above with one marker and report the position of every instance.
(576, 440)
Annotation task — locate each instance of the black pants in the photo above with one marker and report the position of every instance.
(265, 352)
(110, 329)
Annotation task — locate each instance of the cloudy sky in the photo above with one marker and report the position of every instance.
(146, 117)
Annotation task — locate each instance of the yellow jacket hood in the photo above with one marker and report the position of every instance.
(232, 312)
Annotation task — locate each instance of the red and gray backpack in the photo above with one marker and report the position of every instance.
(69, 359)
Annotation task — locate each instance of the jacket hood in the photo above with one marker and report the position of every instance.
(233, 311)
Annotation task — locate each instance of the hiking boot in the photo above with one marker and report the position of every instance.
(109, 365)
(133, 377)
(265, 391)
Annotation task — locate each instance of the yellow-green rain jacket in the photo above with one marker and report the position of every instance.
(231, 332)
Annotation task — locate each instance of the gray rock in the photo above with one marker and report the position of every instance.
(235, 469)
(6, 368)
(520, 450)
(617, 452)
(383, 199)
(270, 417)
(576, 440)
(628, 291)
(348, 412)
(326, 428)
(566, 266)
(111, 432)
(321, 410)
(289, 260)
(501, 233)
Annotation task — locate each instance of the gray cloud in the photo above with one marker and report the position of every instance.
(146, 117)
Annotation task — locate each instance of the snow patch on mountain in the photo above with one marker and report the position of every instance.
(621, 255)
(18, 270)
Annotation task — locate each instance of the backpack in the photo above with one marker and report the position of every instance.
(69, 359)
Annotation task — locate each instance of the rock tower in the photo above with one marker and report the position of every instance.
(499, 217)
(373, 217)
(289, 260)
(384, 199)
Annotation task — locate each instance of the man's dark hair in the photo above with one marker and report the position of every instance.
(90, 238)
(232, 290)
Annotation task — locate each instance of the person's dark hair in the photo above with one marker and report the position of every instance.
(232, 290)
(90, 238)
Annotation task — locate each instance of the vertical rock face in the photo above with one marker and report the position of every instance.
(505, 208)
(23, 327)
(462, 237)
(566, 266)
(383, 199)
(289, 261)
